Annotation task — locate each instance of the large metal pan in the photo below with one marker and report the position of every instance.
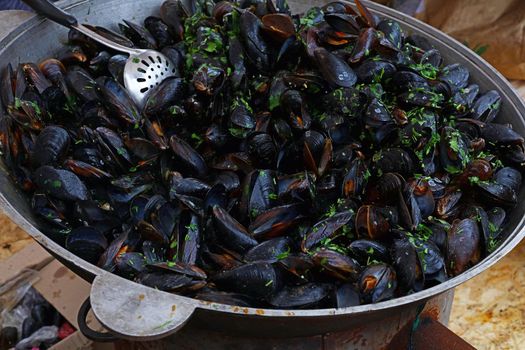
(137, 312)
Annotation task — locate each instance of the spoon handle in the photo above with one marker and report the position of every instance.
(50, 11)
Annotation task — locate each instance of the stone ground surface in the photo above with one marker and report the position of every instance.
(488, 311)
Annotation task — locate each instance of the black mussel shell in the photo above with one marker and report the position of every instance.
(61, 184)
(303, 296)
(87, 242)
(377, 283)
(259, 279)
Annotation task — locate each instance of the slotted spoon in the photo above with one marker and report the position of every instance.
(144, 68)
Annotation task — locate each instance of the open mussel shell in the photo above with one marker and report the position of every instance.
(374, 222)
(377, 283)
(276, 221)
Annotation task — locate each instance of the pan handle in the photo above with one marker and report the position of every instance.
(48, 10)
(136, 312)
(88, 332)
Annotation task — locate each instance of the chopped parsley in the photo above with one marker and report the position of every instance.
(283, 255)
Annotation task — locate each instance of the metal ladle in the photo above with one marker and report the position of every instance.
(144, 69)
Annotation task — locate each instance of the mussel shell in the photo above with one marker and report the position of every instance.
(394, 160)
(258, 280)
(392, 31)
(365, 251)
(86, 171)
(262, 149)
(306, 295)
(259, 190)
(6, 86)
(337, 265)
(171, 14)
(9, 336)
(276, 221)
(463, 248)
(96, 217)
(231, 232)
(154, 252)
(190, 160)
(405, 260)
(500, 135)
(257, 50)
(117, 100)
(406, 80)
(130, 264)
(224, 298)
(138, 34)
(35, 77)
(342, 22)
(230, 180)
(188, 186)
(61, 184)
(374, 71)
(377, 283)
(142, 148)
(180, 268)
(455, 76)
(161, 97)
(346, 295)
(335, 71)
(87, 243)
(374, 222)
(509, 177)
(116, 65)
(269, 251)
(169, 282)
(278, 26)
(487, 106)
(158, 30)
(497, 194)
(82, 83)
(327, 228)
(448, 206)
(51, 145)
(354, 182)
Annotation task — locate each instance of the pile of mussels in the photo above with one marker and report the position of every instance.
(327, 159)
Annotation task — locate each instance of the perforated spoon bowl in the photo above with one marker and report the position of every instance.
(144, 69)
